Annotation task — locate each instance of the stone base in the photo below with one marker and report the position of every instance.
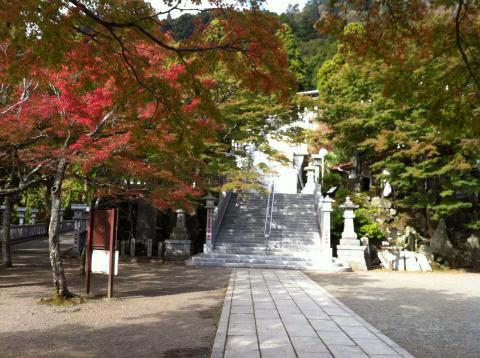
(207, 248)
(177, 250)
(354, 256)
(349, 242)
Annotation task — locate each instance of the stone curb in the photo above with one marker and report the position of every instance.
(221, 336)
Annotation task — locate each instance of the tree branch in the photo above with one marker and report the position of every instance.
(112, 25)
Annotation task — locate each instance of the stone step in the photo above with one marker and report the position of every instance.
(307, 247)
(263, 251)
(264, 261)
(276, 217)
(274, 231)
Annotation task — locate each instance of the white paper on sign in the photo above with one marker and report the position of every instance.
(100, 262)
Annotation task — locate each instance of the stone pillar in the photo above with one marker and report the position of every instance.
(317, 163)
(350, 251)
(33, 216)
(149, 247)
(132, 247)
(62, 214)
(309, 187)
(21, 215)
(80, 218)
(178, 247)
(210, 206)
(325, 223)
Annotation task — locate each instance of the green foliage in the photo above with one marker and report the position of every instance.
(295, 61)
(367, 225)
(429, 169)
(315, 53)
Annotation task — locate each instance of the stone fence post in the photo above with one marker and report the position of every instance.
(210, 206)
(326, 209)
(80, 218)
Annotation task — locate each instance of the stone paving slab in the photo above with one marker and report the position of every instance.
(282, 313)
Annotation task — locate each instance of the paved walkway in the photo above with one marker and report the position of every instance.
(281, 314)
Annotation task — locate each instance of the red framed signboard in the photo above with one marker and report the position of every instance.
(102, 235)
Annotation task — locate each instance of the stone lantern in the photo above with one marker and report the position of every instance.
(33, 216)
(319, 163)
(210, 206)
(21, 215)
(350, 251)
(349, 236)
(309, 187)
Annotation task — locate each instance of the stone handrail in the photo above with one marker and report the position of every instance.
(222, 207)
(318, 198)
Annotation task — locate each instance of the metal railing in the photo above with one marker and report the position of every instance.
(269, 216)
(222, 208)
(300, 179)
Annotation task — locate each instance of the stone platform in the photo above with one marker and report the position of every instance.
(279, 313)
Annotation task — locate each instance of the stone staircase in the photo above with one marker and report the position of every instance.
(294, 241)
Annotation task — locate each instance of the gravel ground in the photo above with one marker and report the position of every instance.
(429, 314)
(160, 310)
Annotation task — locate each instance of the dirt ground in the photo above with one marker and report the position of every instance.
(429, 314)
(159, 310)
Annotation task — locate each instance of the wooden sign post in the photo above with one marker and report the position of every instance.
(102, 236)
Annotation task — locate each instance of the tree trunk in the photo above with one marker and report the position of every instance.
(47, 199)
(6, 222)
(59, 280)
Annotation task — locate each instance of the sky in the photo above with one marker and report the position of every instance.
(277, 6)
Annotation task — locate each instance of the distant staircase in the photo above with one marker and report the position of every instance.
(293, 243)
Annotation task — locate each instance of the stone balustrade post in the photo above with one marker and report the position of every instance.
(326, 230)
(210, 206)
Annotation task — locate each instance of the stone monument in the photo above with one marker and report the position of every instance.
(178, 246)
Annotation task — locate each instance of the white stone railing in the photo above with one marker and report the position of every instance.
(29, 230)
(39, 229)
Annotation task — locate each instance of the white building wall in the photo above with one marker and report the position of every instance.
(286, 176)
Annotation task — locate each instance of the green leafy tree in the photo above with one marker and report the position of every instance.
(430, 170)
(295, 62)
